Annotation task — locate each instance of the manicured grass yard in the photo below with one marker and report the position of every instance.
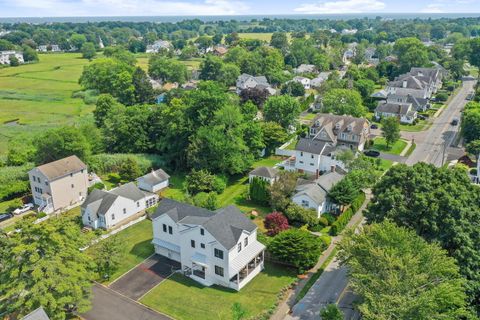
(137, 245)
(39, 95)
(183, 298)
(381, 145)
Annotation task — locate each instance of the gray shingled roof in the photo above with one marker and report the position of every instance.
(225, 225)
(62, 167)
(267, 172)
(129, 191)
(37, 314)
(155, 177)
(313, 191)
(99, 201)
(397, 108)
(310, 145)
(328, 180)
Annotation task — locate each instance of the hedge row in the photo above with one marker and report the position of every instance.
(106, 163)
(347, 215)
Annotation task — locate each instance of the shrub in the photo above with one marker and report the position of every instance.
(357, 203)
(441, 96)
(300, 216)
(206, 200)
(345, 217)
(259, 191)
(104, 163)
(41, 215)
(297, 247)
(97, 185)
(14, 181)
(203, 181)
(275, 222)
(329, 217)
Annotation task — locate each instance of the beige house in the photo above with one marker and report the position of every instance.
(60, 184)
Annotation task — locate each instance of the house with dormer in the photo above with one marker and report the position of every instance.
(214, 247)
(328, 136)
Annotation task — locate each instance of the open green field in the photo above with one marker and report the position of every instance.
(199, 302)
(39, 96)
(266, 36)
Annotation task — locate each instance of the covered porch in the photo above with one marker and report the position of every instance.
(249, 269)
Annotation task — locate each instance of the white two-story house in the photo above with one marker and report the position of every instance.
(314, 194)
(58, 185)
(214, 247)
(328, 136)
(106, 209)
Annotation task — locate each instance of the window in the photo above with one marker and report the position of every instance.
(164, 227)
(312, 156)
(170, 229)
(202, 245)
(312, 131)
(138, 204)
(81, 171)
(46, 183)
(124, 211)
(192, 243)
(311, 164)
(301, 154)
(305, 203)
(73, 186)
(245, 242)
(219, 271)
(239, 247)
(301, 162)
(71, 174)
(113, 216)
(202, 232)
(218, 253)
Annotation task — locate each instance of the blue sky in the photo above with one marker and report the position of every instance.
(59, 8)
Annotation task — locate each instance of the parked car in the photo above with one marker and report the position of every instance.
(454, 122)
(5, 216)
(24, 208)
(374, 126)
(471, 95)
(372, 153)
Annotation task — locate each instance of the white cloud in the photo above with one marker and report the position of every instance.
(341, 6)
(433, 8)
(131, 7)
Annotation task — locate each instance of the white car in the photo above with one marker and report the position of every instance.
(24, 208)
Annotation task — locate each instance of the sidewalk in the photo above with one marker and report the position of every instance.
(287, 304)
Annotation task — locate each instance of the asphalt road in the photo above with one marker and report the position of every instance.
(433, 144)
(329, 288)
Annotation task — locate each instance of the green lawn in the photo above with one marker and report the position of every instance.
(266, 36)
(137, 245)
(39, 95)
(421, 125)
(183, 298)
(381, 145)
(308, 116)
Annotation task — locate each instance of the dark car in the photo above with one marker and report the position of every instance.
(454, 122)
(5, 216)
(372, 153)
(374, 126)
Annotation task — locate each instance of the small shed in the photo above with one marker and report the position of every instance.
(268, 174)
(154, 181)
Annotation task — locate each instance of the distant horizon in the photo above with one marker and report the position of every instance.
(238, 17)
(108, 9)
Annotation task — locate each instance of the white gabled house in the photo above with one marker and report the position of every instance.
(267, 174)
(154, 181)
(314, 194)
(305, 82)
(106, 209)
(214, 247)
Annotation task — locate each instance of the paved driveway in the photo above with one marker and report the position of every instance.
(138, 281)
(110, 305)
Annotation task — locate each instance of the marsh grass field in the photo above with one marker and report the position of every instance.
(36, 97)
